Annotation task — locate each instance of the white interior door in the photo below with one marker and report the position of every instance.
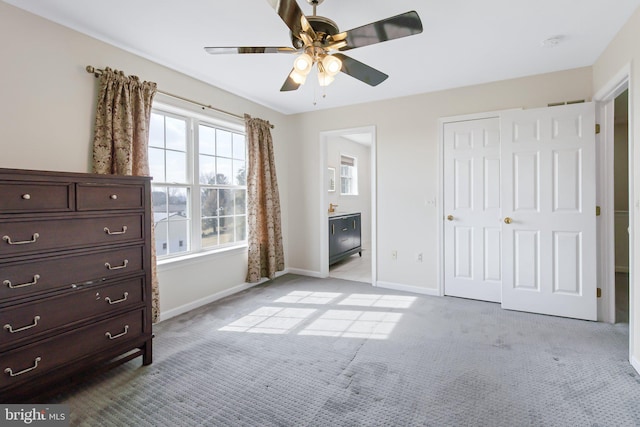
(548, 206)
(472, 236)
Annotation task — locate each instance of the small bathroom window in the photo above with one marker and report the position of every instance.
(348, 176)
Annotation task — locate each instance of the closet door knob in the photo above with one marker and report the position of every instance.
(508, 220)
(449, 217)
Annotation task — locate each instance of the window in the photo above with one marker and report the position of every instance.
(348, 176)
(199, 182)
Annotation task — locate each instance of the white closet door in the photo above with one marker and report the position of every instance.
(472, 236)
(548, 208)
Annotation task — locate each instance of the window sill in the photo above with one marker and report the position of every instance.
(198, 257)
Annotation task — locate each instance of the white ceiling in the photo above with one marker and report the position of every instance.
(464, 42)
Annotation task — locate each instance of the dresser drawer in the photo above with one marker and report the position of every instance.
(20, 197)
(105, 197)
(21, 237)
(24, 278)
(28, 321)
(38, 358)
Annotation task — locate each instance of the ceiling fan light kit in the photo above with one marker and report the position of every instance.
(318, 41)
(331, 64)
(303, 63)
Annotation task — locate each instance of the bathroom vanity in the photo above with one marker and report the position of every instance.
(345, 237)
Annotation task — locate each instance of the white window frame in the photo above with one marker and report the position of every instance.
(353, 177)
(193, 174)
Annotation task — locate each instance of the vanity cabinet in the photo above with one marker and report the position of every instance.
(345, 236)
(75, 277)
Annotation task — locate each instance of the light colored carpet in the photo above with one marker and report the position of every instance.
(308, 352)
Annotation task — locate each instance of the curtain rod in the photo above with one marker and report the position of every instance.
(97, 72)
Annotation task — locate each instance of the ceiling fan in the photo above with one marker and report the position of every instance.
(318, 41)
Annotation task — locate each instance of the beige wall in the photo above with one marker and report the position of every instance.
(407, 163)
(46, 112)
(624, 51)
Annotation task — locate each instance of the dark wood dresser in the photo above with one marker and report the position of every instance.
(75, 276)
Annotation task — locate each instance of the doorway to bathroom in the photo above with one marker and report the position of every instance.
(348, 196)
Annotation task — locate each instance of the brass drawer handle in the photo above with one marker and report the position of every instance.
(12, 374)
(9, 328)
(345, 229)
(333, 229)
(111, 302)
(35, 282)
(24, 242)
(26, 196)
(113, 233)
(118, 267)
(113, 337)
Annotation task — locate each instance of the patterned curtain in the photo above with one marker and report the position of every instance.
(122, 136)
(266, 255)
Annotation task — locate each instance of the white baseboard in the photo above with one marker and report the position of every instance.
(635, 363)
(407, 288)
(308, 273)
(165, 315)
(622, 269)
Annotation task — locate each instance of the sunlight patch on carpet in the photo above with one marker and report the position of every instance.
(382, 301)
(270, 320)
(295, 316)
(306, 297)
(354, 324)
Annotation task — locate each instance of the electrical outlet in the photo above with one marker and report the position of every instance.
(419, 257)
(394, 255)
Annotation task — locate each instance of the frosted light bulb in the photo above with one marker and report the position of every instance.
(332, 65)
(298, 77)
(303, 64)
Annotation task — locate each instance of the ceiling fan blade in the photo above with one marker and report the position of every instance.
(247, 49)
(292, 15)
(289, 84)
(361, 71)
(403, 25)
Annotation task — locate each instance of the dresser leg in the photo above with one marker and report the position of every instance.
(147, 357)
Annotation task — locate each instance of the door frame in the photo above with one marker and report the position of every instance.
(324, 198)
(605, 98)
(441, 214)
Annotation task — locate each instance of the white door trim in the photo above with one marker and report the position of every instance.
(605, 199)
(606, 94)
(324, 199)
(440, 201)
